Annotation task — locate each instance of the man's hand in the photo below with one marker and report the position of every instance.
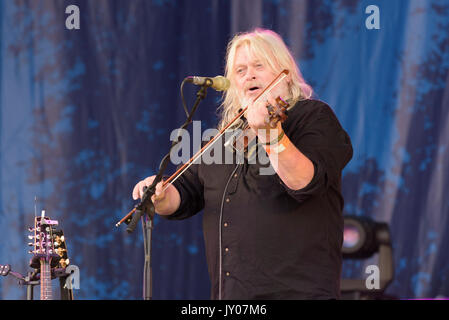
(256, 115)
(165, 201)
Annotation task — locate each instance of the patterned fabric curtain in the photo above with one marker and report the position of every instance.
(86, 113)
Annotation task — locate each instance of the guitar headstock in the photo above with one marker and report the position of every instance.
(43, 245)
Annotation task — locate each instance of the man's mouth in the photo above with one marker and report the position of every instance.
(253, 89)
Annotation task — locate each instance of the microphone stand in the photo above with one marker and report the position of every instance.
(145, 209)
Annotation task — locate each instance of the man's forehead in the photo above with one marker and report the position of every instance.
(245, 54)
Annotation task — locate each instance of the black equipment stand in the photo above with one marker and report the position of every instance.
(33, 278)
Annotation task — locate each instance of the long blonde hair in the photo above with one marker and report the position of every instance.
(269, 47)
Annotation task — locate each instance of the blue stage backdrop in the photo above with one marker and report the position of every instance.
(86, 113)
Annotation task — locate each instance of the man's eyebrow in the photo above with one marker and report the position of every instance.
(244, 65)
(237, 66)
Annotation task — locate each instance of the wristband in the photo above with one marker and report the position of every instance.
(274, 141)
(279, 147)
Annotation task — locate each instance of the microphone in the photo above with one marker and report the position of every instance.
(218, 83)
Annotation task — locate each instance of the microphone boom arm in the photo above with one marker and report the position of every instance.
(146, 205)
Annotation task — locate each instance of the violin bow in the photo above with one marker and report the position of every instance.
(186, 165)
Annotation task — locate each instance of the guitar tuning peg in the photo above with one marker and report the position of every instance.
(31, 229)
(60, 251)
(64, 263)
(31, 237)
(32, 244)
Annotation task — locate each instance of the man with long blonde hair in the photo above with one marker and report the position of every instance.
(273, 236)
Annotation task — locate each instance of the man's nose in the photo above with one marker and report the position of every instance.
(250, 74)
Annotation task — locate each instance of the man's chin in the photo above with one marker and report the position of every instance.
(253, 94)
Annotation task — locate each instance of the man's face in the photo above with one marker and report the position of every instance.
(252, 75)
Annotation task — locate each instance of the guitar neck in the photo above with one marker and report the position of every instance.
(46, 290)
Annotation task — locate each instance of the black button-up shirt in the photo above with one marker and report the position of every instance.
(262, 239)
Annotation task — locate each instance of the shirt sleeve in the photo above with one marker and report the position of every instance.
(317, 133)
(190, 189)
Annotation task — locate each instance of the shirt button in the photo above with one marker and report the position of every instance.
(235, 175)
(227, 274)
(227, 199)
(227, 249)
(225, 224)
